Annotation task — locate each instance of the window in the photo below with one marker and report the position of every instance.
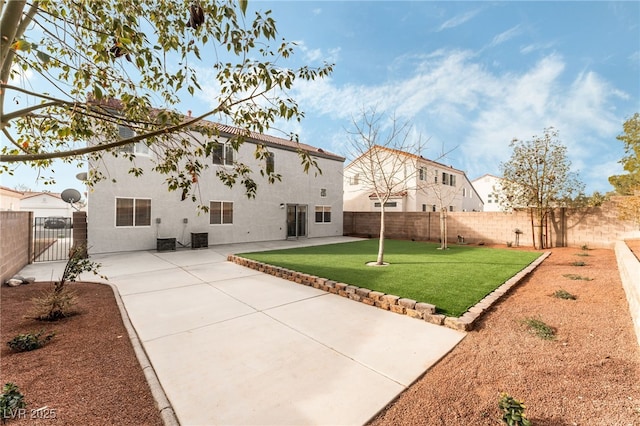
(422, 173)
(464, 192)
(220, 212)
(323, 214)
(445, 178)
(435, 178)
(452, 180)
(424, 207)
(387, 204)
(450, 208)
(323, 192)
(223, 154)
(133, 212)
(133, 148)
(433, 208)
(354, 180)
(271, 162)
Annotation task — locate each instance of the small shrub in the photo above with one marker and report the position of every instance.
(59, 302)
(11, 401)
(579, 263)
(29, 341)
(563, 294)
(513, 411)
(577, 277)
(509, 243)
(582, 254)
(539, 328)
(585, 247)
(54, 305)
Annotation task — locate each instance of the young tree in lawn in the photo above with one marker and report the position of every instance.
(538, 176)
(628, 184)
(110, 64)
(384, 155)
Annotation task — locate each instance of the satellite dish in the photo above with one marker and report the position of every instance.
(70, 195)
(82, 176)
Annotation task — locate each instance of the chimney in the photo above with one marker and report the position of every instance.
(189, 113)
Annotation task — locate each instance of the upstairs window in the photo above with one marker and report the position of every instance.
(132, 148)
(223, 154)
(354, 180)
(445, 178)
(271, 162)
(422, 173)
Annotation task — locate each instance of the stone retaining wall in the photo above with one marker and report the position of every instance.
(389, 302)
(629, 268)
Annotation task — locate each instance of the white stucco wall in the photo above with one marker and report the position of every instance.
(487, 186)
(259, 219)
(46, 205)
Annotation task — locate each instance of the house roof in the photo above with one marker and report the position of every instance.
(36, 194)
(274, 141)
(407, 154)
(487, 175)
(12, 192)
(229, 131)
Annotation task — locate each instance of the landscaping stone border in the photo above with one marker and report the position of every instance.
(389, 302)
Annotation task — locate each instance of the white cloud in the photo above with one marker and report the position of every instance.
(506, 35)
(458, 20)
(453, 98)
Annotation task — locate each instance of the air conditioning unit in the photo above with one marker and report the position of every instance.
(199, 240)
(166, 244)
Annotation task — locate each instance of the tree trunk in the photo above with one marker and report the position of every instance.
(443, 228)
(380, 260)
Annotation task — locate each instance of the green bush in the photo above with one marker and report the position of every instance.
(512, 411)
(580, 263)
(577, 277)
(11, 401)
(29, 341)
(563, 294)
(539, 328)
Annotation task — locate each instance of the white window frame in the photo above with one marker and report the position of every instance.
(324, 210)
(227, 151)
(133, 212)
(222, 211)
(137, 148)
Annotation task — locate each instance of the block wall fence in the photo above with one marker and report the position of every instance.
(15, 242)
(597, 227)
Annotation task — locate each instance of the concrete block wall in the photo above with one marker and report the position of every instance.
(15, 242)
(597, 227)
(629, 268)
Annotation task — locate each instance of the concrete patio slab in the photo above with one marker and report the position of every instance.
(254, 370)
(155, 280)
(161, 313)
(265, 291)
(398, 347)
(220, 271)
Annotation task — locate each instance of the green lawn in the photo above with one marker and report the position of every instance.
(453, 279)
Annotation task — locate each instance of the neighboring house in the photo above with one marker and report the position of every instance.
(489, 188)
(10, 199)
(426, 186)
(45, 204)
(132, 213)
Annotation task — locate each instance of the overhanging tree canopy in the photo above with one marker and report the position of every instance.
(114, 63)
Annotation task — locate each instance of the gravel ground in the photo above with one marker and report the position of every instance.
(588, 375)
(87, 374)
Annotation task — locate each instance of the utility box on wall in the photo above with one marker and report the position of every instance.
(199, 240)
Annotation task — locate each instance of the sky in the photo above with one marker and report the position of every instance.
(467, 76)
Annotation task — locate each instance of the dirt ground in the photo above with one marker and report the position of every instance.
(589, 375)
(87, 374)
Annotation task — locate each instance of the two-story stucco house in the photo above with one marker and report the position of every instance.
(423, 185)
(489, 188)
(133, 213)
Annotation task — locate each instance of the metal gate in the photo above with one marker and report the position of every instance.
(52, 238)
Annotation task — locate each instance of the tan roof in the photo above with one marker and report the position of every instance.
(406, 154)
(35, 194)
